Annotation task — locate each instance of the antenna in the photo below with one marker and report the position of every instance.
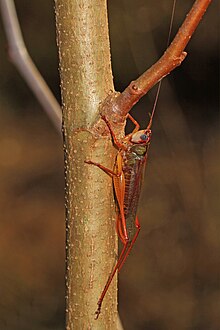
(160, 82)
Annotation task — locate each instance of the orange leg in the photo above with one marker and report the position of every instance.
(116, 141)
(119, 191)
(124, 253)
(119, 186)
(137, 126)
(128, 245)
(119, 229)
(105, 169)
(121, 257)
(137, 224)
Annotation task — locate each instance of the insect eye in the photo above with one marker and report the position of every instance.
(143, 137)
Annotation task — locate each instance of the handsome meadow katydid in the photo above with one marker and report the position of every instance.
(127, 177)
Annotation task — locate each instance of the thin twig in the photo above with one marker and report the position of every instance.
(21, 59)
(173, 57)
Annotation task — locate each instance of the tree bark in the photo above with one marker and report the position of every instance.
(86, 79)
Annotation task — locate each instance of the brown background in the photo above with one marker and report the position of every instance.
(172, 279)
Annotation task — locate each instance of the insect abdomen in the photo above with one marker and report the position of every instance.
(133, 171)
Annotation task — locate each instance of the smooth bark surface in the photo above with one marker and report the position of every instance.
(86, 79)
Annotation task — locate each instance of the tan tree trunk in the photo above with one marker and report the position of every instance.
(86, 79)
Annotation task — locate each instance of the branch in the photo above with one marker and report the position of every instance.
(122, 103)
(21, 59)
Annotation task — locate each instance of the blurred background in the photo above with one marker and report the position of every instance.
(172, 279)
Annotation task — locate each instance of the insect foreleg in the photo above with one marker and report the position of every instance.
(116, 141)
(137, 126)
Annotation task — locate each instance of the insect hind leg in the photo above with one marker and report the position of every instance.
(122, 231)
(130, 245)
(121, 258)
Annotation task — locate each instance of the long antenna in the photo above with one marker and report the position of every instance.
(160, 82)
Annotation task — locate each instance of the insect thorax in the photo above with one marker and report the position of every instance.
(139, 150)
(134, 155)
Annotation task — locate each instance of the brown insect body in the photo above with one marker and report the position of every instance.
(127, 178)
(133, 166)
